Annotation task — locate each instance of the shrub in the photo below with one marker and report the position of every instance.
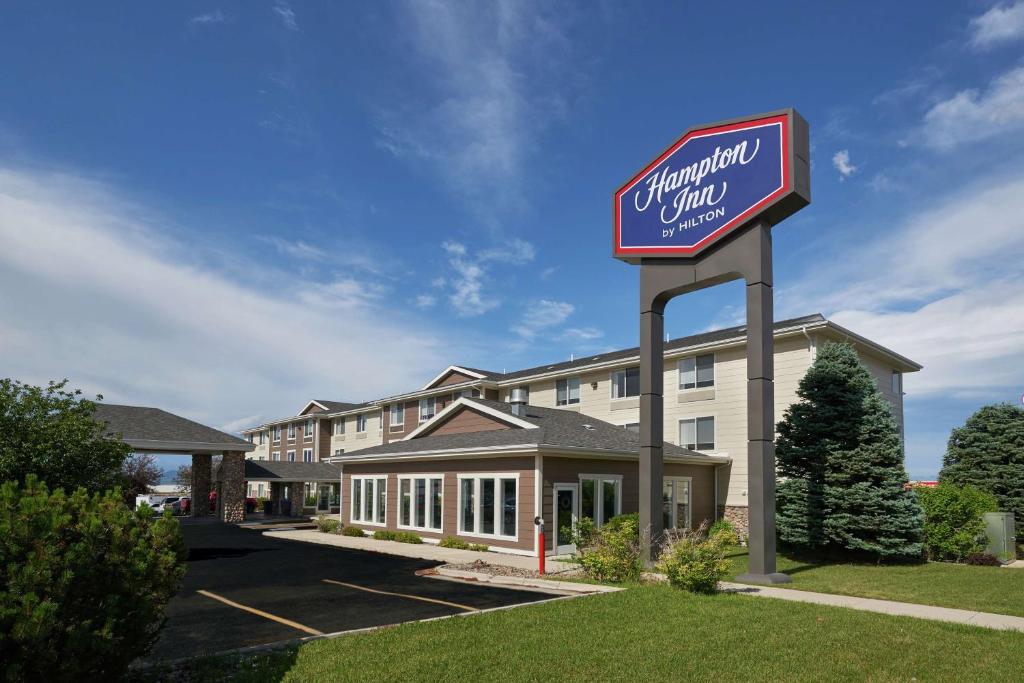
(383, 535)
(452, 542)
(954, 527)
(407, 537)
(611, 553)
(353, 531)
(694, 561)
(328, 525)
(83, 582)
(479, 547)
(983, 560)
(725, 532)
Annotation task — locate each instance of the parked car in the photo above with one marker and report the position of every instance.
(165, 504)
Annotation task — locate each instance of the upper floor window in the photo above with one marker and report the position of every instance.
(697, 372)
(397, 414)
(291, 456)
(697, 434)
(339, 426)
(308, 431)
(263, 438)
(897, 382)
(307, 455)
(361, 422)
(626, 383)
(291, 431)
(567, 391)
(276, 455)
(277, 433)
(339, 451)
(467, 393)
(428, 408)
(632, 427)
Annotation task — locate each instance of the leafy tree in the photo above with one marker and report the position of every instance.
(840, 457)
(83, 582)
(50, 432)
(954, 526)
(139, 473)
(988, 453)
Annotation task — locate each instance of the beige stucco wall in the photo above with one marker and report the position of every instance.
(353, 441)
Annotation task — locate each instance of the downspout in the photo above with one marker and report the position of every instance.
(811, 348)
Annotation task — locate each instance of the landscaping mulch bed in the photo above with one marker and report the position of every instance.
(501, 570)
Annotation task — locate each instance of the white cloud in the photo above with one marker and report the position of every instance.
(297, 249)
(426, 300)
(286, 14)
(469, 296)
(944, 288)
(97, 290)
(1001, 24)
(497, 76)
(580, 334)
(542, 315)
(208, 18)
(841, 162)
(971, 115)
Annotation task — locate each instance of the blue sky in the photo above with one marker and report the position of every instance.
(225, 209)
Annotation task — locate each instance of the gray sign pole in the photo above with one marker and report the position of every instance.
(747, 256)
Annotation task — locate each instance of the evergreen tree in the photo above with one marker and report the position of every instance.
(840, 458)
(988, 453)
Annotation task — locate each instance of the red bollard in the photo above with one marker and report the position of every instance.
(541, 549)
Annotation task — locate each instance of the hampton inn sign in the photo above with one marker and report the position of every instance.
(699, 215)
(710, 182)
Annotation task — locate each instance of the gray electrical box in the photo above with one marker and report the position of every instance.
(1002, 542)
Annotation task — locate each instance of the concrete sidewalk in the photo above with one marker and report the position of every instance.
(422, 551)
(1001, 622)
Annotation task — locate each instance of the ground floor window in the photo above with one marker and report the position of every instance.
(307, 455)
(600, 497)
(421, 502)
(697, 434)
(675, 503)
(260, 491)
(369, 499)
(488, 505)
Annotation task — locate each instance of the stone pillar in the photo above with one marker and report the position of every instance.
(298, 494)
(232, 477)
(201, 484)
(276, 495)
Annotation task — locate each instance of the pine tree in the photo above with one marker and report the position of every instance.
(840, 460)
(988, 453)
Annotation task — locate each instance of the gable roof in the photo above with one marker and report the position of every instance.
(464, 403)
(328, 406)
(153, 429)
(468, 372)
(553, 429)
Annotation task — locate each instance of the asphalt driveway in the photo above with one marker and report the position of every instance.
(244, 589)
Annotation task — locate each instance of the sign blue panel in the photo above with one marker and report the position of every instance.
(710, 182)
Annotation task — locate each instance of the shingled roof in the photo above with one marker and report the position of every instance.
(153, 429)
(554, 429)
(281, 470)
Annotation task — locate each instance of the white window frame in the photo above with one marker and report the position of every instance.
(360, 479)
(897, 383)
(339, 451)
(714, 432)
(428, 508)
(599, 480)
(276, 456)
(568, 391)
(307, 429)
(291, 431)
(679, 372)
(304, 452)
(277, 433)
(428, 401)
(339, 427)
(689, 501)
(362, 420)
(614, 384)
(291, 456)
(477, 502)
(401, 415)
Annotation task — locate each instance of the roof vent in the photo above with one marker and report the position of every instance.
(589, 427)
(518, 401)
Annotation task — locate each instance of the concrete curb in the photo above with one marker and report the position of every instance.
(524, 582)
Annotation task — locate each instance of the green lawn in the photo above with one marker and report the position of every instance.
(986, 589)
(652, 633)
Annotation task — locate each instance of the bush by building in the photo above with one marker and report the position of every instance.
(694, 560)
(988, 453)
(725, 531)
(353, 531)
(453, 542)
(954, 526)
(328, 525)
(83, 582)
(840, 460)
(611, 553)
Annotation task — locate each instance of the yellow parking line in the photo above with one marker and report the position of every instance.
(402, 595)
(265, 615)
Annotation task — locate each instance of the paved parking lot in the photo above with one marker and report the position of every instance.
(243, 589)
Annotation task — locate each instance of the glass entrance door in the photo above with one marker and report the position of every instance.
(324, 497)
(566, 515)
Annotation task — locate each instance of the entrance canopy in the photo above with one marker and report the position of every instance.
(151, 430)
(290, 472)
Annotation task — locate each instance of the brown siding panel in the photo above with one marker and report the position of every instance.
(467, 420)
